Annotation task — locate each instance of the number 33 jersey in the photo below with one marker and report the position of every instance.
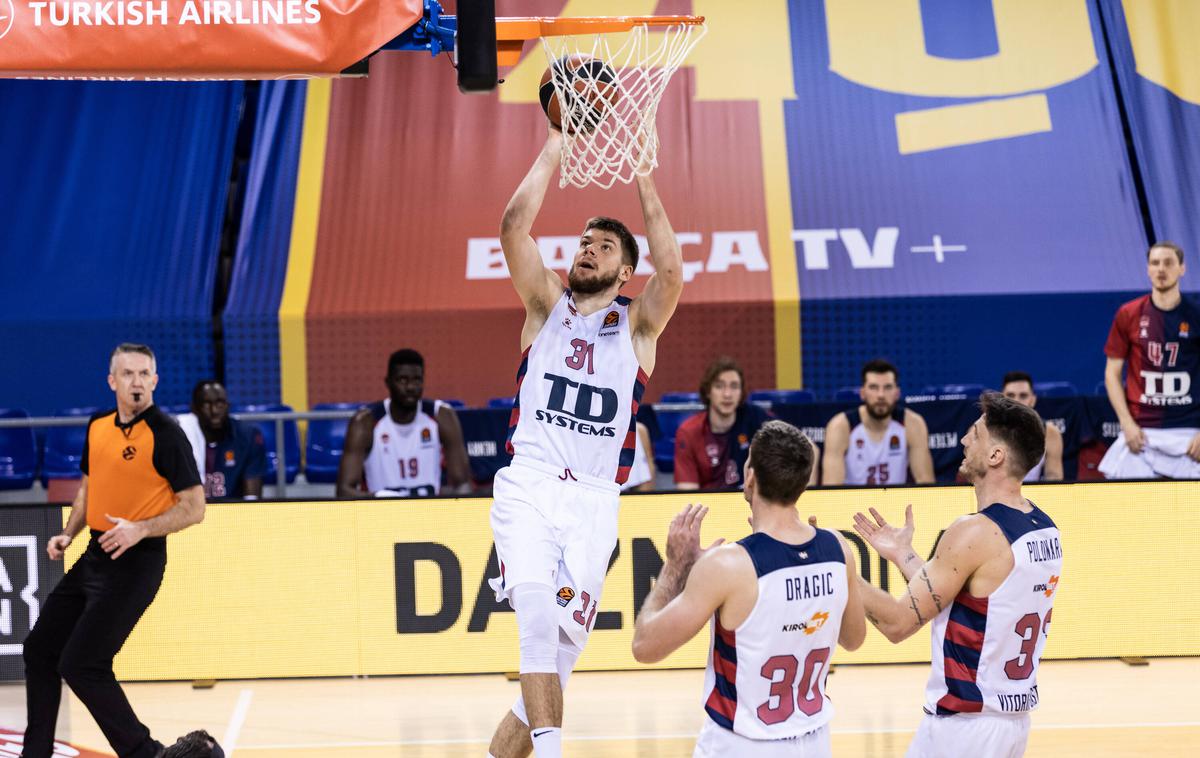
(986, 649)
(766, 679)
(578, 391)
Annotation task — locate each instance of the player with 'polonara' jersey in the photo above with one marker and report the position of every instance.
(587, 355)
(777, 602)
(988, 591)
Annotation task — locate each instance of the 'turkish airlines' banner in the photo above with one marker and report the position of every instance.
(195, 39)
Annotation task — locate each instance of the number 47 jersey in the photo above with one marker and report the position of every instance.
(986, 649)
(766, 679)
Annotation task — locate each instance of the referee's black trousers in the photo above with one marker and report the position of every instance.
(85, 621)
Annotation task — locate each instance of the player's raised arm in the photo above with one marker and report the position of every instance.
(537, 286)
(692, 585)
(854, 622)
(933, 587)
(658, 300)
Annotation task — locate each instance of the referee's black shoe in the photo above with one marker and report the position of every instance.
(197, 744)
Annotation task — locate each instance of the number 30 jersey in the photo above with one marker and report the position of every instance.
(765, 680)
(578, 391)
(986, 649)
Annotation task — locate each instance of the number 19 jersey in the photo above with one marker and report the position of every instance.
(766, 679)
(578, 391)
(986, 649)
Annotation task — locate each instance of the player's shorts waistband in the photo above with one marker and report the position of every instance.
(565, 474)
(980, 715)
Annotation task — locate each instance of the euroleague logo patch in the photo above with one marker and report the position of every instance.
(612, 319)
(565, 596)
(6, 17)
(129, 452)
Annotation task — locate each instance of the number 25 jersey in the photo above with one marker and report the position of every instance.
(578, 391)
(986, 649)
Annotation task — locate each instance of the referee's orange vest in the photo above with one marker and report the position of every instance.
(122, 479)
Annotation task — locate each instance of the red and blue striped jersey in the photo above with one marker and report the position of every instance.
(986, 650)
(1161, 350)
(766, 679)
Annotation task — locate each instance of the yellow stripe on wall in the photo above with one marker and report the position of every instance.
(728, 67)
(785, 281)
(293, 308)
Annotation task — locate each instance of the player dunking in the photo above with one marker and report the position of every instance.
(587, 355)
(988, 592)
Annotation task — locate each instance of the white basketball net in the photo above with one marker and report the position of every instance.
(615, 139)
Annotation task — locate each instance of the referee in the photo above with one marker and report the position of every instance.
(139, 484)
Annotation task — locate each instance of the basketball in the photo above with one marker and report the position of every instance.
(589, 85)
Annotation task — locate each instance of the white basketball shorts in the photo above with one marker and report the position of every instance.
(557, 528)
(718, 742)
(978, 735)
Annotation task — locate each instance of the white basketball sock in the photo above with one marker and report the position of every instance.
(547, 741)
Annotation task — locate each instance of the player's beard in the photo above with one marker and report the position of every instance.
(873, 410)
(969, 472)
(592, 284)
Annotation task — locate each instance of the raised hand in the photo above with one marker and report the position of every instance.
(891, 542)
(683, 537)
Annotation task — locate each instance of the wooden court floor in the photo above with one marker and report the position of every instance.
(1089, 708)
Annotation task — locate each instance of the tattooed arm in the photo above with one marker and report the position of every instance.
(934, 585)
(893, 543)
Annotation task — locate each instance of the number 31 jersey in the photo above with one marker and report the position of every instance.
(986, 649)
(765, 680)
(578, 391)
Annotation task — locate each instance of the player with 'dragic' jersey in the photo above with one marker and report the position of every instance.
(778, 602)
(587, 355)
(988, 590)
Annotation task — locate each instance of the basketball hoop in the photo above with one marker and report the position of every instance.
(608, 107)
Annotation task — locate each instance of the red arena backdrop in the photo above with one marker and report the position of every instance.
(195, 39)
(421, 265)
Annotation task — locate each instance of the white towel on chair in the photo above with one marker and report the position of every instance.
(1164, 454)
(191, 427)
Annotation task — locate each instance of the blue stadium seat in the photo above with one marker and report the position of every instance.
(680, 397)
(291, 441)
(1101, 390)
(668, 424)
(177, 409)
(64, 447)
(18, 453)
(454, 403)
(846, 395)
(1055, 389)
(502, 402)
(664, 446)
(326, 438)
(783, 397)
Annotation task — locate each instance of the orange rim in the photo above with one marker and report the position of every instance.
(525, 28)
